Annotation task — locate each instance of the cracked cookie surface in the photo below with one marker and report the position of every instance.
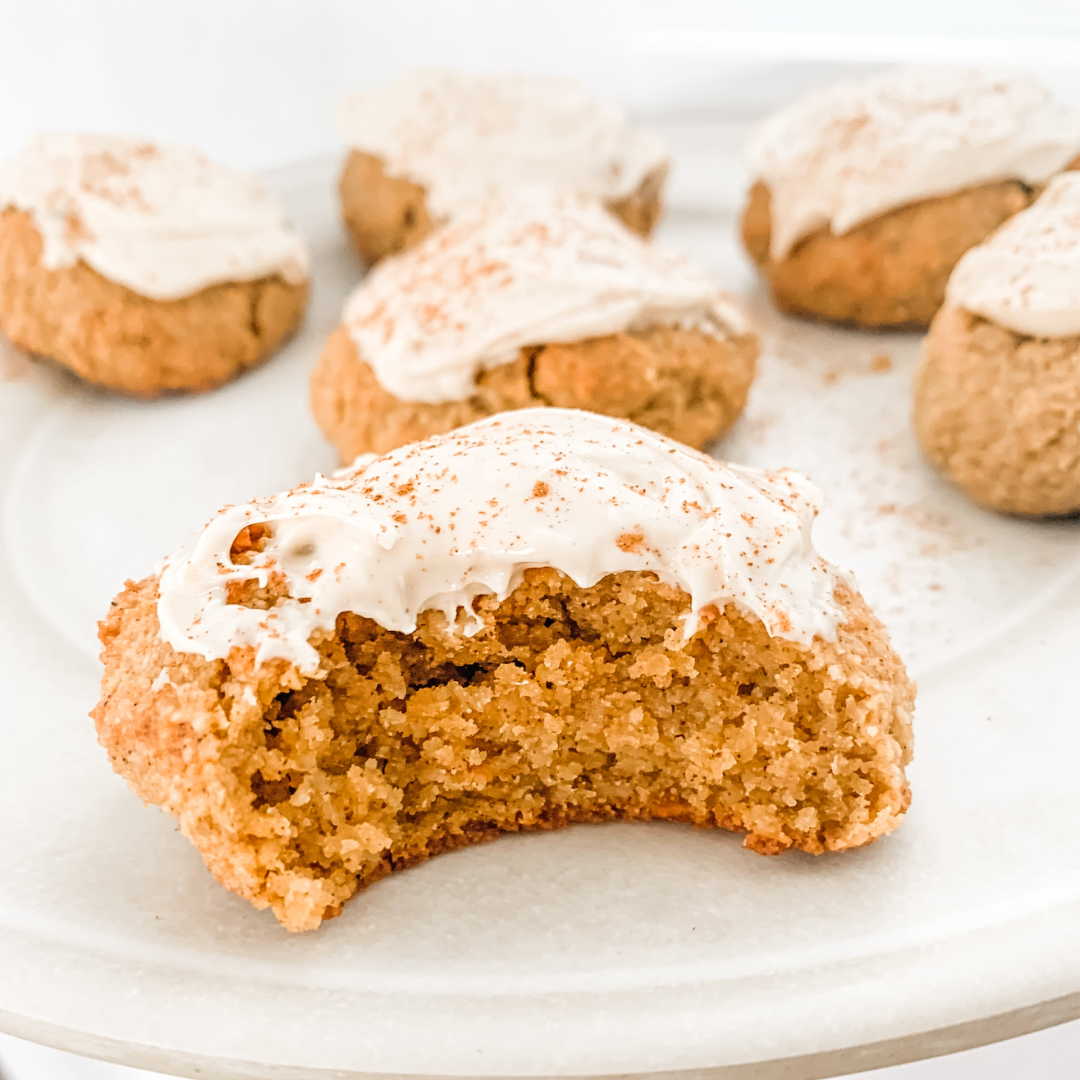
(684, 383)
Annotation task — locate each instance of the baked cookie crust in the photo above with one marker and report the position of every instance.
(115, 338)
(890, 271)
(680, 382)
(999, 413)
(569, 705)
(386, 214)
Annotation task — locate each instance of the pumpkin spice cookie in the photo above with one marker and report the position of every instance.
(536, 299)
(432, 142)
(997, 390)
(144, 268)
(547, 617)
(866, 195)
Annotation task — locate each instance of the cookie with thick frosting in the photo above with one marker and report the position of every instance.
(866, 195)
(546, 617)
(534, 299)
(997, 390)
(144, 268)
(431, 143)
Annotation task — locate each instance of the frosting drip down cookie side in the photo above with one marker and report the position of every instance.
(479, 688)
(535, 299)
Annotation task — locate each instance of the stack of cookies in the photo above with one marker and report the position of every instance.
(529, 599)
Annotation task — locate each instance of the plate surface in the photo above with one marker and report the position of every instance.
(601, 949)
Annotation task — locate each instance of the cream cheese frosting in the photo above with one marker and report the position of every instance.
(162, 220)
(466, 137)
(532, 268)
(435, 524)
(1027, 275)
(846, 154)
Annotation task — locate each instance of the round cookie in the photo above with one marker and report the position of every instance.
(536, 299)
(866, 195)
(997, 390)
(547, 617)
(144, 268)
(433, 142)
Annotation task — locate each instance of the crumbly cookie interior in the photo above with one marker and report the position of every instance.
(571, 704)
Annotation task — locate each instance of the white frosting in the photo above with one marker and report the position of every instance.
(1027, 275)
(529, 269)
(162, 220)
(437, 523)
(856, 150)
(466, 137)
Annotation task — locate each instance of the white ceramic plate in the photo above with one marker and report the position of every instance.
(601, 949)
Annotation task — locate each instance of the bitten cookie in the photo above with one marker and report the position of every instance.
(535, 299)
(144, 268)
(866, 195)
(545, 618)
(432, 142)
(997, 390)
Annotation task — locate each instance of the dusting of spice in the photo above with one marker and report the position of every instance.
(164, 221)
(848, 153)
(616, 500)
(532, 268)
(465, 137)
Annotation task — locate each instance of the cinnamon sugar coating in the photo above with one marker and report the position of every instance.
(116, 338)
(684, 383)
(999, 413)
(571, 704)
(890, 271)
(386, 214)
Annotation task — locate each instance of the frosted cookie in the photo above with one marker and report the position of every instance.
(865, 195)
(997, 390)
(544, 618)
(144, 268)
(535, 299)
(433, 142)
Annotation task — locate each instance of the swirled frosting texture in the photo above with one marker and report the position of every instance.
(162, 220)
(844, 155)
(437, 523)
(533, 268)
(466, 137)
(1027, 275)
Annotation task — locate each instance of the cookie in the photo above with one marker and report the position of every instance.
(433, 142)
(866, 195)
(451, 642)
(997, 390)
(144, 268)
(534, 299)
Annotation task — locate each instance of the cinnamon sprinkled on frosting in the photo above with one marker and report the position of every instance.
(529, 269)
(1027, 275)
(163, 220)
(856, 150)
(437, 523)
(468, 137)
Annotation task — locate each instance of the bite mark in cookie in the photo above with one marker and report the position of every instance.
(450, 643)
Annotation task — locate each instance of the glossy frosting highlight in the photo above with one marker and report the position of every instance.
(529, 269)
(1026, 276)
(162, 220)
(435, 524)
(846, 154)
(467, 137)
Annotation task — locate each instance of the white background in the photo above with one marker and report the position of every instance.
(254, 82)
